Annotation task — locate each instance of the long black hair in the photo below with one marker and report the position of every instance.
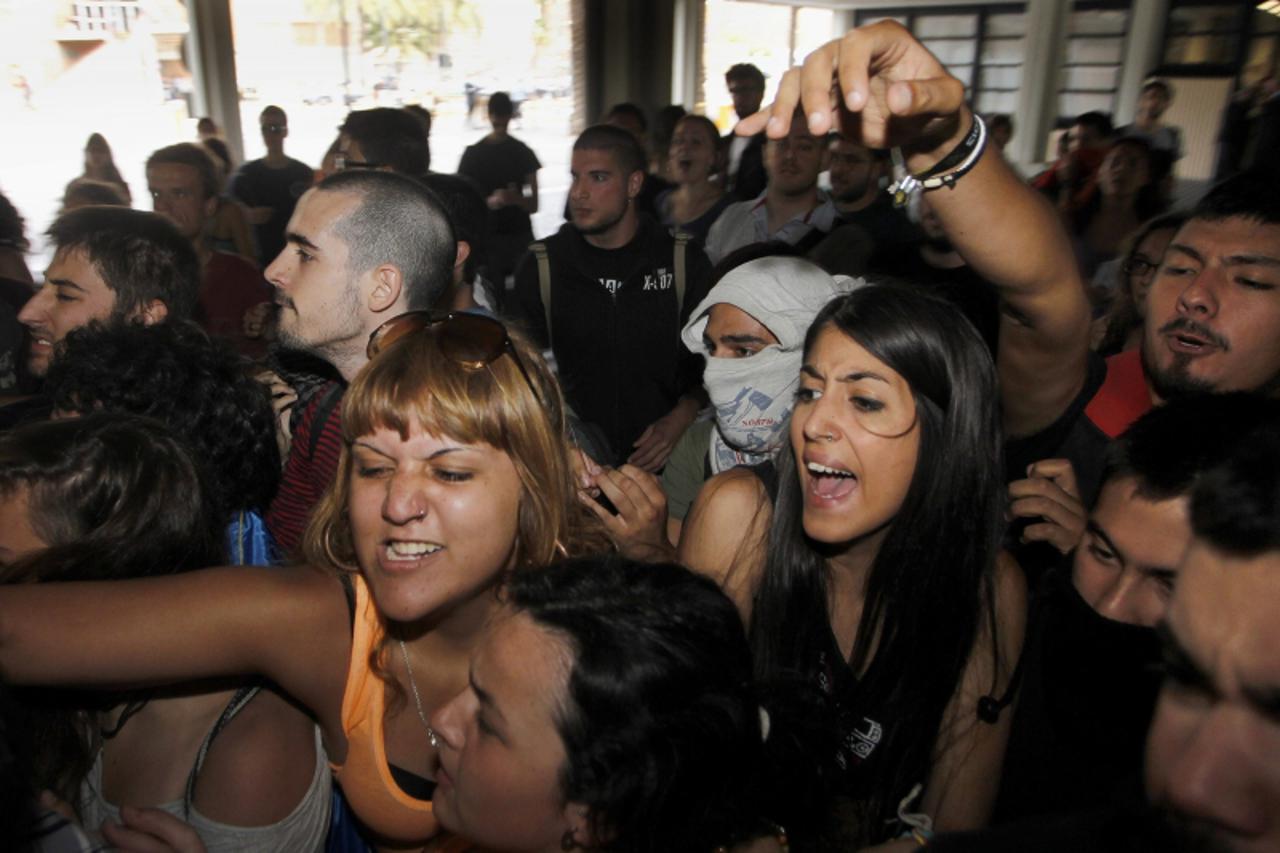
(930, 586)
(113, 496)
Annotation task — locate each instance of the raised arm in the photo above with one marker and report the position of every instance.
(961, 790)
(290, 625)
(885, 88)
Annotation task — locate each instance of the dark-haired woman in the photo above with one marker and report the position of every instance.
(695, 165)
(1122, 197)
(611, 707)
(113, 497)
(875, 574)
(455, 474)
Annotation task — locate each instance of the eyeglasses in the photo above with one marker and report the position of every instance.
(470, 340)
(1138, 266)
(274, 128)
(341, 161)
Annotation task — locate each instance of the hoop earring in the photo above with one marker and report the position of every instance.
(327, 547)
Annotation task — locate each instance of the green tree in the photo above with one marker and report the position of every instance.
(401, 28)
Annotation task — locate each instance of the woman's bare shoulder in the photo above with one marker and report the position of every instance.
(726, 533)
(260, 766)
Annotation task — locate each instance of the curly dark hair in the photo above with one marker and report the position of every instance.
(198, 386)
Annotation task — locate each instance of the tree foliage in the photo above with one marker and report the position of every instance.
(402, 28)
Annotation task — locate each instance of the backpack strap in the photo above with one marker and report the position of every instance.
(539, 250)
(682, 243)
(810, 240)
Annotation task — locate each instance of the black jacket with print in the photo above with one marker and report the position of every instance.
(615, 326)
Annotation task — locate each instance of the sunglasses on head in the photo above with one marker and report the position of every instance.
(470, 340)
(342, 162)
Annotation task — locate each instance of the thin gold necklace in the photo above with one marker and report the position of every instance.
(432, 737)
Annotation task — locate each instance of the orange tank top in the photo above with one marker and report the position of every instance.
(387, 811)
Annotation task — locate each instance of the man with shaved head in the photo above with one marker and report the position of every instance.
(363, 246)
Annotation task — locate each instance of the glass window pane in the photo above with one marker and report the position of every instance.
(1002, 77)
(1095, 51)
(1098, 22)
(1002, 52)
(741, 32)
(1262, 58)
(997, 102)
(865, 18)
(1200, 50)
(814, 28)
(1265, 22)
(1007, 24)
(952, 52)
(963, 73)
(1202, 19)
(1091, 79)
(946, 25)
(1072, 104)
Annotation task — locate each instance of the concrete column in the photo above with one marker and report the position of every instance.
(629, 50)
(211, 50)
(1142, 53)
(1042, 64)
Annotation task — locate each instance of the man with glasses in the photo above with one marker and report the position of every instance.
(270, 187)
(363, 246)
(383, 139)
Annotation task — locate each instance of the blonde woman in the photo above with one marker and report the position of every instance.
(455, 473)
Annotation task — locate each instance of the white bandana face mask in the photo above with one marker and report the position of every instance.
(753, 398)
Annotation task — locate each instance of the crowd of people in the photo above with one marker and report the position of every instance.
(938, 508)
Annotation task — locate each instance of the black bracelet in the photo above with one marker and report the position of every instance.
(906, 185)
(958, 154)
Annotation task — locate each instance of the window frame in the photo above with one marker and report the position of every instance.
(975, 89)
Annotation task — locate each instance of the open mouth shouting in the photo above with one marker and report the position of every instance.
(827, 484)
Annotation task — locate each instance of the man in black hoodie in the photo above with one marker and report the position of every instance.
(608, 294)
